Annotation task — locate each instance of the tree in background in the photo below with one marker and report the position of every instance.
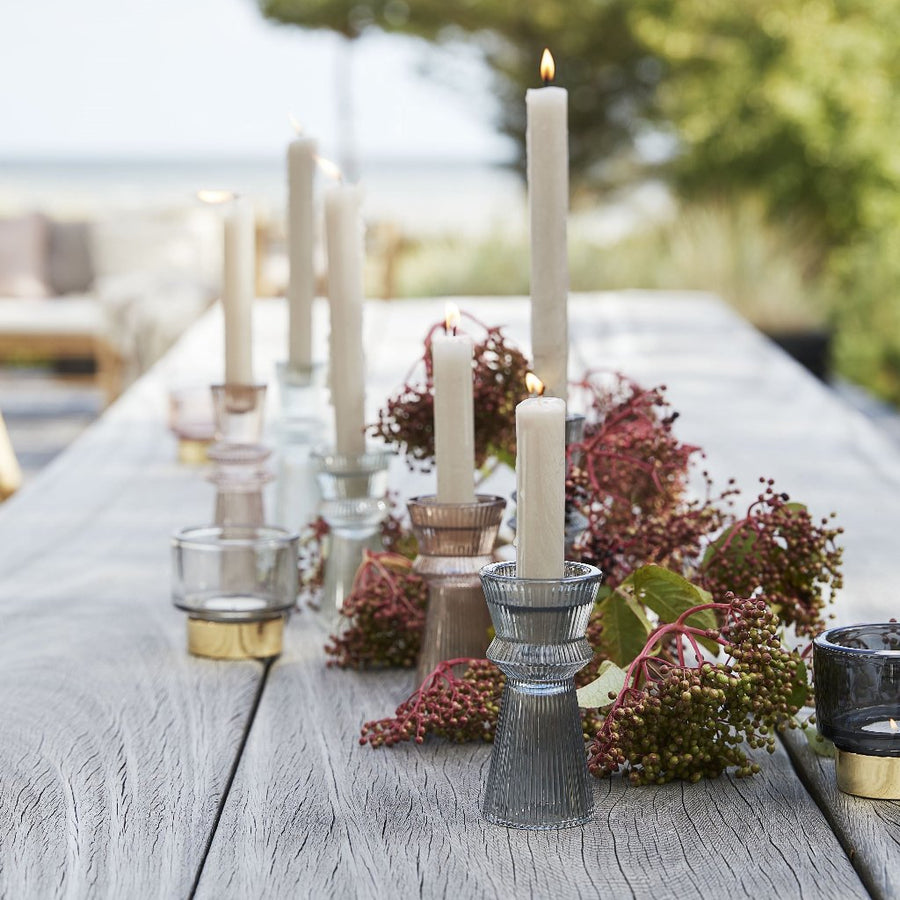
(794, 104)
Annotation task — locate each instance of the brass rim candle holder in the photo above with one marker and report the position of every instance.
(191, 421)
(857, 678)
(456, 541)
(353, 489)
(237, 584)
(538, 777)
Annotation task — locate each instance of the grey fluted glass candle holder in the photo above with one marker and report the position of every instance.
(857, 675)
(353, 488)
(239, 476)
(456, 541)
(538, 776)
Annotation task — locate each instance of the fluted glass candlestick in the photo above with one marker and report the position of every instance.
(239, 411)
(538, 777)
(456, 541)
(857, 673)
(353, 488)
(239, 476)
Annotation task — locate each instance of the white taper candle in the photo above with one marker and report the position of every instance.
(344, 246)
(540, 487)
(301, 241)
(238, 289)
(547, 145)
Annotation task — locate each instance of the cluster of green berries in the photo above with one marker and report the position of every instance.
(779, 549)
(460, 708)
(691, 722)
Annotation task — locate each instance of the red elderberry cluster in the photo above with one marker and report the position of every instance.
(680, 716)
(459, 708)
(779, 549)
(407, 419)
(629, 478)
(386, 616)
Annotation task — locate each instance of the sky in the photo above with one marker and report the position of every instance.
(212, 78)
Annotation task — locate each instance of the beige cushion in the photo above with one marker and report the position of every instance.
(74, 315)
(69, 266)
(23, 248)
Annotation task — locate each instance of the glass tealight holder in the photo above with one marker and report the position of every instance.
(191, 421)
(353, 490)
(456, 540)
(239, 412)
(538, 778)
(857, 678)
(302, 392)
(237, 583)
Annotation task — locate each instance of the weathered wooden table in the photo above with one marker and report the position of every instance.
(129, 769)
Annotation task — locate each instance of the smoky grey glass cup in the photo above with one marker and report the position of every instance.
(538, 777)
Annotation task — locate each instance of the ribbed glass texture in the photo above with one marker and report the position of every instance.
(456, 541)
(353, 488)
(538, 777)
(239, 476)
(235, 573)
(857, 674)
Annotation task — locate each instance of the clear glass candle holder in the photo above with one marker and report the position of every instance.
(353, 490)
(239, 412)
(857, 677)
(302, 393)
(239, 475)
(237, 584)
(456, 540)
(297, 492)
(538, 777)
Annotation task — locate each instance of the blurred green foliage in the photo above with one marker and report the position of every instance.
(793, 105)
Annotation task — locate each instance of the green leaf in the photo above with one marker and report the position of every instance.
(669, 595)
(800, 693)
(819, 745)
(624, 633)
(595, 695)
(738, 545)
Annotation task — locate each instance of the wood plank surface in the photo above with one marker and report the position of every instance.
(115, 746)
(869, 830)
(315, 815)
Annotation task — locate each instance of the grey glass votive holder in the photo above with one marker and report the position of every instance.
(456, 540)
(538, 777)
(238, 584)
(353, 490)
(857, 677)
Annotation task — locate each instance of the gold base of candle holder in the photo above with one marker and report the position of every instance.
(875, 777)
(193, 451)
(235, 640)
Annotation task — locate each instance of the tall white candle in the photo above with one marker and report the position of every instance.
(540, 487)
(344, 247)
(454, 416)
(238, 289)
(547, 143)
(301, 240)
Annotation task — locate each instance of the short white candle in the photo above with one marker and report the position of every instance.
(344, 247)
(454, 416)
(238, 289)
(301, 241)
(540, 487)
(547, 143)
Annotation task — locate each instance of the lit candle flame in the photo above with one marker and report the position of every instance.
(451, 318)
(548, 66)
(329, 168)
(295, 124)
(534, 385)
(893, 725)
(208, 195)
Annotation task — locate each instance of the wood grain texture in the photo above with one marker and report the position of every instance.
(115, 746)
(869, 830)
(316, 815)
